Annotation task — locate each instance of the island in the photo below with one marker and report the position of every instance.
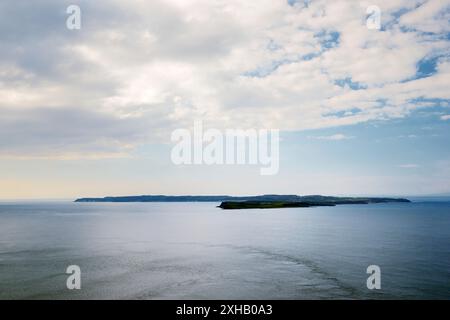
(268, 201)
(268, 204)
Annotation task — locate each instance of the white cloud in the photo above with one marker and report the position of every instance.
(430, 16)
(338, 136)
(411, 136)
(409, 166)
(446, 117)
(158, 65)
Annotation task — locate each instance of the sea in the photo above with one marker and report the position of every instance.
(195, 250)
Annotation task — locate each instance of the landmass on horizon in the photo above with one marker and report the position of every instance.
(268, 201)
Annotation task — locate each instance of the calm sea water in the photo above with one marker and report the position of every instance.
(197, 251)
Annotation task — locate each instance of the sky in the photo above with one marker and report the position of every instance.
(90, 112)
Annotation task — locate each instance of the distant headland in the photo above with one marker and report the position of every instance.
(267, 201)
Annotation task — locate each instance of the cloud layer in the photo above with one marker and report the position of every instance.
(138, 69)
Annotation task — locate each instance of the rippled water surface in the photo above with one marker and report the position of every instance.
(197, 251)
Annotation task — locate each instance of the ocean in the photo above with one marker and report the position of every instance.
(198, 251)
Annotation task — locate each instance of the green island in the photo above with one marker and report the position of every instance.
(267, 205)
(305, 202)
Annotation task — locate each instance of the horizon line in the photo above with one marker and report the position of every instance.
(443, 195)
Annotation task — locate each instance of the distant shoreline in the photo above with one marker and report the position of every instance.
(253, 202)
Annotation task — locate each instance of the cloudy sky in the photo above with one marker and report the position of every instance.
(90, 112)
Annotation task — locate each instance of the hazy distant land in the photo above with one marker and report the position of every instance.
(252, 202)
